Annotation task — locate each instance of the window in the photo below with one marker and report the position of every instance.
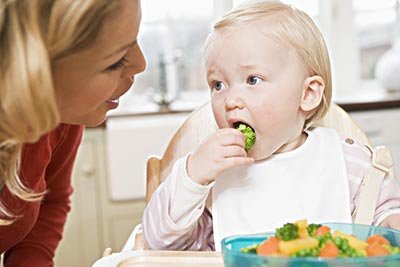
(376, 30)
(173, 34)
(308, 6)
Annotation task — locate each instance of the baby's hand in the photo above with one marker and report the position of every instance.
(392, 221)
(219, 152)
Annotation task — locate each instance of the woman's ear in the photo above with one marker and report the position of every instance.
(313, 91)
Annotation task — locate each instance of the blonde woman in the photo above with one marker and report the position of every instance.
(63, 65)
(268, 68)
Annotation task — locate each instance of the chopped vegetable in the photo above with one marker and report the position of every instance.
(377, 239)
(269, 247)
(289, 231)
(376, 249)
(312, 228)
(302, 224)
(353, 241)
(330, 250)
(307, 252)
(293, 246)
(250, 249)
(300, 239)
(248, 134)
(322, 230)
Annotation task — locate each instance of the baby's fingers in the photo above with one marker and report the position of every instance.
(234, 151)
(232, 137)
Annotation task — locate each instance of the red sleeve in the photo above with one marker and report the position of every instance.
(38, 247)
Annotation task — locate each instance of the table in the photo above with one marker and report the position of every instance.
(156, 258)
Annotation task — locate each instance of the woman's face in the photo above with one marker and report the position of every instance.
(90, 82)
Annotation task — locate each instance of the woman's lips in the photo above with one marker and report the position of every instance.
(113, 102)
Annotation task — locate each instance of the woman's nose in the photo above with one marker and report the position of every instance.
(136, 63)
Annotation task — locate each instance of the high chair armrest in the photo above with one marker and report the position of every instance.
(135, 240)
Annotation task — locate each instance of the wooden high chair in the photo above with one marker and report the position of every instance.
(201, 123)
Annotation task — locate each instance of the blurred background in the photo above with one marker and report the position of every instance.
(357, 32)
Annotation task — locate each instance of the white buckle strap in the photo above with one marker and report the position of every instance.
(370, 188)
(382, 159)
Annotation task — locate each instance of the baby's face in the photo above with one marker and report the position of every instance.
(259, 81)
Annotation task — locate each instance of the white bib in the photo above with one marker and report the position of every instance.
(309, 182)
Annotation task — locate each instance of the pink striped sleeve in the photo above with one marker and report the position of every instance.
(178, 221)
(358, 160)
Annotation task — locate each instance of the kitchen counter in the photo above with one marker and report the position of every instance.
(370, 96)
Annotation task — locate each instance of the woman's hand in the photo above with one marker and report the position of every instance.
(218, 153)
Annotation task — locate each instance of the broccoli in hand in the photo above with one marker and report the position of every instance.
(248, 134)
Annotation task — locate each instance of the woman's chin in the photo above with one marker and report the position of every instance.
(94, 122)
(89, 121)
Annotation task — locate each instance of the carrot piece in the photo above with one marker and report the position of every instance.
(330, 250)
(378, 239)
(322, 230)
(376, 249)
(269, 247)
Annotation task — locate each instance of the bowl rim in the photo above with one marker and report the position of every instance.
(276, 259)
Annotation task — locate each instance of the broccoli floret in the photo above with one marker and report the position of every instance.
(248, 134)
(289, 231)
(250, 249)
(312, 228)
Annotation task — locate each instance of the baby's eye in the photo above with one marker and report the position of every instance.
(217, 85)
(253, 80)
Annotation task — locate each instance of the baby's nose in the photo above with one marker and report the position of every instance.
(231, 104)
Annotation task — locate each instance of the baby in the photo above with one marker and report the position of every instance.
(268, 68)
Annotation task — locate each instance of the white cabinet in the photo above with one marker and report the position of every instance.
(94, 222)
(130, 141)
(98, 218)
(382, 128)
(82, 237)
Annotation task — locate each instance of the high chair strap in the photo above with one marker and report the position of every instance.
(371, 185)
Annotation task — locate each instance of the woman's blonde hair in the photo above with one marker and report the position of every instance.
(33, 35)
(293, 27)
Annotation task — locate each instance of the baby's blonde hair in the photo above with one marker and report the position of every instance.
(34, 34)
(293, 27)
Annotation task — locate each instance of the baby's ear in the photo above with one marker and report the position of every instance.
(313, 90)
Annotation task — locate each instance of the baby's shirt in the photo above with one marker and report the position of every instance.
(176, 217)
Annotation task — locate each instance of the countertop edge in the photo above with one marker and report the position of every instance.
(347, 106)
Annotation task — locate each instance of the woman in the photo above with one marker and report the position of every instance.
(63, 65)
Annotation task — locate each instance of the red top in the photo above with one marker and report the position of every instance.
(46, 165)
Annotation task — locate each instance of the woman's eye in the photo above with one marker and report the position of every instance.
(253, 80)
(117, 65)
(218, 85)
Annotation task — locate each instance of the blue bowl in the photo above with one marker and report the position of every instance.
(234, 258)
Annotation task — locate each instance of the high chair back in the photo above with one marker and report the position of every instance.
(200, 124)
(195, 128)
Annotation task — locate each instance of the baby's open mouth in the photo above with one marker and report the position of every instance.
(237, 124)
(248, 133)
